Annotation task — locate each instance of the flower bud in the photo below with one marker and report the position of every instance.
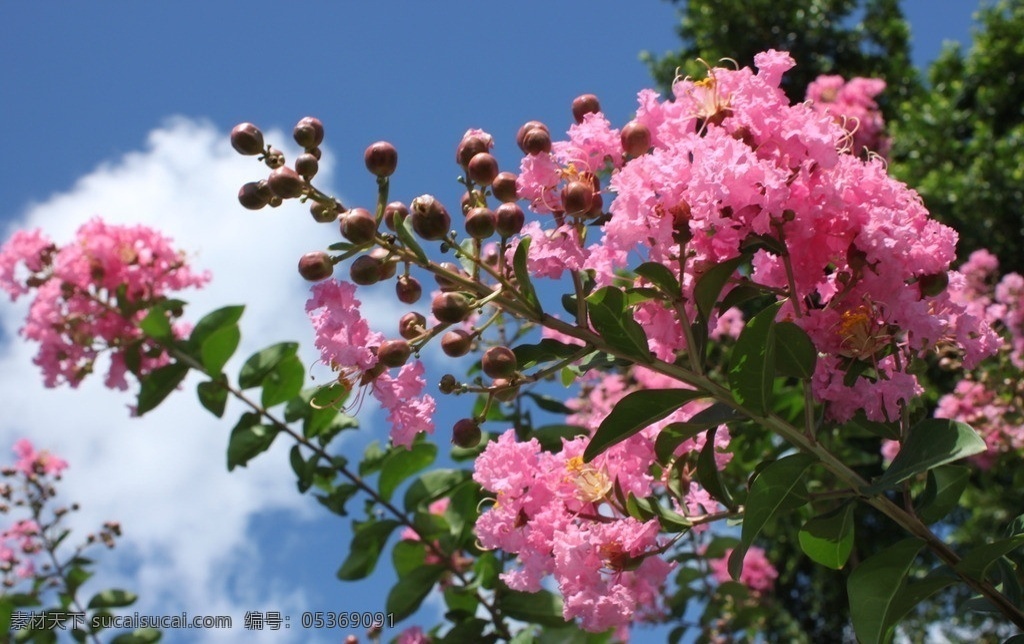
(636, 139)
(583, 105)
(483, 168)
(448, 384)
(394, 353)
(358, 226)
(537, 141)
(503, 392)
(392, 209)
(470, 146)
(323, 213)
(480, 223)
(408, 289)
(315, 266)
(412, 325)
(286, 183)
(577, 198)
(528, 127)
(388, 263)
(509, 219)
(254, 195)
(365, 270)
(430, 219)
(456, 343)
(450, 308)
(247, 139)
(499, 362)
(446, 284)
(274, 159)
(309, 132)
(466, 433)
(381, 159)
(307, 165)
(504, 187)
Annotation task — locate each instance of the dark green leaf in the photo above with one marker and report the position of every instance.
(752, 367)
(942, 493)
(634, 412)
(159, 384)
(776, 490)
(213, 395)
(932, 442)
(859, 422)
(369, 538)
(432, 485)
(523, 274)
(337, 498)
(660, 275)
(739, 294)
(976, 562)
(248, 439)
(710, 284)
(263, 362)
(550, 436)
(542, 607)
(403, 226)
(547, 350)
(913, 594)
(156, 325)
(283, 382)
(113, 598)
(138, 636)
(828, 538)
(303, 469)
(709, 475)
(795, 354)
(547, 403)
(211, 322)
(874, 588)
(410, 591)
(407, 555)
(615, 323)
(218, 348)
(402, 463)
(674, 435)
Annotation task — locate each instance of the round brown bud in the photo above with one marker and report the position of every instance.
(596, 206)
(525, 129)
(358, 226)
(932, 285)
(509, 219)
(466, 433)
(430, 219)
(480, 223)
(247, 139)
(309, 132)
(469, 147)
(446, 284)
(323, 213)
(583, 105)
(315, 266)
(388, 263)
(307, 165)
(274, 159)
(456, 343)
(412, 325)
(286, 183)
(499, 362)
(392, 209)
(450, 308)
(577, 198)
(503, 392)
(365, 270)
(448, 384)
(504, 187)
(254, 195)
(381, 159)
(537, 141)
(636, 139)
(394, 353)
(483, 168)
(408, 289)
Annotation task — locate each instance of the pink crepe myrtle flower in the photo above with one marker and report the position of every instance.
(852, 104)
(30, 462)
(758, 574)
(90, 295)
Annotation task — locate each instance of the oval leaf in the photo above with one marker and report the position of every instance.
(932, 442)
(874, 588)
(615, 323)
(795, 354)
(752, 367)
(828, 539)
(410, 591)
(368, 540)
(634, 412)
(402, 463)
(263, 362)
(159, 384)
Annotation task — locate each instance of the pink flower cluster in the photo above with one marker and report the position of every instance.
(348, 346)
(853, 106)
(733, 167)
(18, 545)
(90, 295)
(32, 463)
(758, 573)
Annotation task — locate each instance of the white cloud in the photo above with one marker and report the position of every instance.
(185, 518)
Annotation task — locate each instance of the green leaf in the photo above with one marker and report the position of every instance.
(542, 607)
(932, 442)
(828, 538)
(550, 436)
(776, 490)
(708, 473)
(403, 226)
(263, 362)
(113, 598)
(795, 354)
(211, 322)
(138, 636)
(523, 274)
(156, 325)
(159, 384)
(874, 588)
(634, 412)
(218, 348)
(337, 498)
(662, 277)
(942, 492)
(283, 382)
(548, 403)
(859, 422)
(976, 562)
(410, 591)
(547, 350)
(248, 439)
(710, 284)
(913, 594)
(368, 539)
(752, 367)
(432, 485)
(402, 463)
(615, 323)
(213, 395)
(674, 435)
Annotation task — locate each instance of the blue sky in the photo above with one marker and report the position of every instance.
(122, 109)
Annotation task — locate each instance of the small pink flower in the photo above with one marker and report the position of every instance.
(758, 573)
